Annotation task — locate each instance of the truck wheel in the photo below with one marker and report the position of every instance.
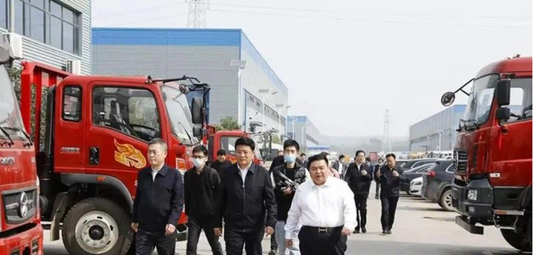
(520, 241)
(445, 200)
(96, 226)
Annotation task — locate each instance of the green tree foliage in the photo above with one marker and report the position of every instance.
(276, 139)
(228, 123)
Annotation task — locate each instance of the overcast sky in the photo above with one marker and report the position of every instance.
(346, 62)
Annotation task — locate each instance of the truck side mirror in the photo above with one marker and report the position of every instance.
(196, 110)
(503, 92)
(503, 113)
(197, 131)
(447, 99)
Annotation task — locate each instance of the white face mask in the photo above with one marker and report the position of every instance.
(198, 163)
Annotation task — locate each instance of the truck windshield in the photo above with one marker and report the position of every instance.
(10, 118)
(479, 103)
(179, 113)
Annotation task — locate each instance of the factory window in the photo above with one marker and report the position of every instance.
(46, 21)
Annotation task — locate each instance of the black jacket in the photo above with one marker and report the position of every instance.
(200, 191)
(243, 206)
(359, 184)
(298, 175)
(390, 185)
(220, 166)
(158, 203)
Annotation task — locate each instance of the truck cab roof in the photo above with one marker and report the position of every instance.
(520, 66)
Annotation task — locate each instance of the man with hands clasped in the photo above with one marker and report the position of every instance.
(389, 177)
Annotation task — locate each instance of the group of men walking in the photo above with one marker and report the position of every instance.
(305, 208)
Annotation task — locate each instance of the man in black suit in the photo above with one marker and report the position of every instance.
(158, 203)
(246, 199)
(359, 178)
(221, 162)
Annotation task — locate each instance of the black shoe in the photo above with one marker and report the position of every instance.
(363, 229)
(389, 231)
(384, 232)
(356, 231)
(377, 197)
(272, 252)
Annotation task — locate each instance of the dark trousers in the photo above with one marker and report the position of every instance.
(377, 190)
(360, 205)
(314, 243)
(196, 225)
(237, 239)
(388, 210)
(145, 242)
(273, 243)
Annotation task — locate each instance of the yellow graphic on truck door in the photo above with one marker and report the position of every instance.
(129, 156)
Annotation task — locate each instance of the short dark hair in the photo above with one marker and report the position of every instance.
(391, 155)
(341, 156)
(291, 143)
(200, 148)
(245, 141)
(303, 154)
(318, 157)
(359, 151)
(221, 152)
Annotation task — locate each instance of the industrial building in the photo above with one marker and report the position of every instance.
(243, 86)
(53, 32)
(436, 133)
(301, 129)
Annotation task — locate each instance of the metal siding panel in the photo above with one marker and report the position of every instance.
(160, 37)
(208, 64)
(36, 51)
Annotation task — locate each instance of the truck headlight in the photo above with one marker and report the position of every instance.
(472, 195)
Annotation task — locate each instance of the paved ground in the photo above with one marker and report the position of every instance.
(421, 228)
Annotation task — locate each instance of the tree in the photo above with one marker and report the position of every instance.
(276, 139)
(228, 123)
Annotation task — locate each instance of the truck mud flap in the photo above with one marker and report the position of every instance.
(459, 220)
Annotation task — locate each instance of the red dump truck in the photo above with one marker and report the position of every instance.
(91, 135)
(493, 151)
(20, 228)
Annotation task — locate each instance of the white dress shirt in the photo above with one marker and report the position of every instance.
(340, 168)
(244, 172)
(154, 172)
(328, 205)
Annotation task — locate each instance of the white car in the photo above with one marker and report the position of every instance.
(415, 186)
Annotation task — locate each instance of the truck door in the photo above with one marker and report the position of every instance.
(123, 121)
(69, 129)
(227, 143)
(511, 149)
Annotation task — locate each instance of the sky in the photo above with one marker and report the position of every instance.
(346, 62)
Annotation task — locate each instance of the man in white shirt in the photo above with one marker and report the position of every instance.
(326, 210)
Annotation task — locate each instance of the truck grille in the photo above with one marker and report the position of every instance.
(19, 205)
(460, 160)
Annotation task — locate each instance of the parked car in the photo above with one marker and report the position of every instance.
(413, 174)
(415, 187)
(411, 164)
(437, 184)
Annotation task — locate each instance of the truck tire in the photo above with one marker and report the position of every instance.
(97, 226)
(520, 241)
(445, 200)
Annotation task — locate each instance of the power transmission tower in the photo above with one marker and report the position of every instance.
(197, 17)
(386, 133)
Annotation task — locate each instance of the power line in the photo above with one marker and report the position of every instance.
(369, 20)
(372, 13)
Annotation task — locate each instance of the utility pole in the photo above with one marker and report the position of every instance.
(197, 17)
(386, 133)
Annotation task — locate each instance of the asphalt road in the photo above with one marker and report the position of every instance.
(421, 228)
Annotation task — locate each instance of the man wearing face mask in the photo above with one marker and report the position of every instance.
(201, 185)
(287, 178)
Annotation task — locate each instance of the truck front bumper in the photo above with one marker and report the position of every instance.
(29, 241)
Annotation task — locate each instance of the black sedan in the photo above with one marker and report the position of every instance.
(413, 174)
(438, 183)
